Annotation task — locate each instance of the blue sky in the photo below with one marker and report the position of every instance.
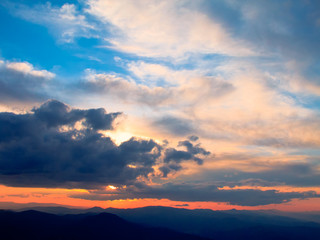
(242, 76)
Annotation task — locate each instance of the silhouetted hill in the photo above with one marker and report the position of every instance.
(38, 225)
(57, 210)
(218, 225)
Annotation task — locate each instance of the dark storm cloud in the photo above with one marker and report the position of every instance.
(174, 157)
(194, 149)
(191, 153)
(193, 138)
(36, 151)
(33, 152)
(54, 113)
(203, 193)
(168, 168)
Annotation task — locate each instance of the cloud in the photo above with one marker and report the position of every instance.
(164, 29)
(125, 89)
(194, 149)
(54, 113)
(182, 205)
(293, 174)
(27, 68)
(176, 156)
(175, 125)
(268, 171)
(200, 193)
(188, 91)
(193, 138)
(156, 74)
(173, 158)
(20, 81)
(65, 21)
(284, 31)
(57, 146)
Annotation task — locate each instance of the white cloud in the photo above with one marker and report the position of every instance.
(126, 89)
(164, 29)
(27, 68)
(151, 73)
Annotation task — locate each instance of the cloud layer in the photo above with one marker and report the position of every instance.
(198, 193)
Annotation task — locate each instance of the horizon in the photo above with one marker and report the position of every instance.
(37, 207)
(186, 104)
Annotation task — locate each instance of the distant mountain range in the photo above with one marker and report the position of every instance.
(155, 223)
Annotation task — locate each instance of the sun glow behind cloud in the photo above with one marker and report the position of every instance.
(119, 137)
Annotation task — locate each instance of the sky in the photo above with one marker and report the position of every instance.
(183, 103)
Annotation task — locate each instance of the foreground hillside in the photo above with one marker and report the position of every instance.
(34, 225)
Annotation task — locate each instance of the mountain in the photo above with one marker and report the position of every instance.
(305, 216)
(231, 224)
(217, 225)
(36, 225)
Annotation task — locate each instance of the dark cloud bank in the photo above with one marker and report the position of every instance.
(201, 193)
(36, 151)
